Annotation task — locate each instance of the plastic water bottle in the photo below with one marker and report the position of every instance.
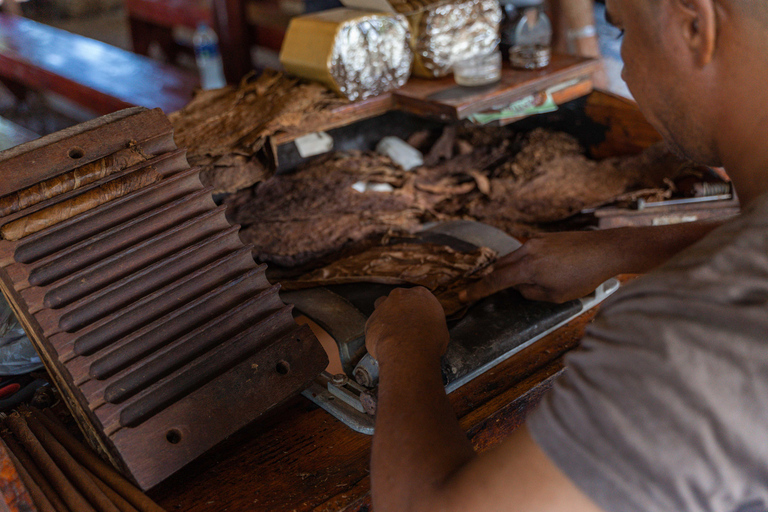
(208, 58)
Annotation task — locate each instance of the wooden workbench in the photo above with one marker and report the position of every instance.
(300, 458)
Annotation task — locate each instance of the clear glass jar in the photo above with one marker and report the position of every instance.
(527, 33)
(478, 70)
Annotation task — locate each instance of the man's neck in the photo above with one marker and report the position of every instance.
(742, 137)
(746, 161)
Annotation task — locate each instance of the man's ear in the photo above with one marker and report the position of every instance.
(697, 20)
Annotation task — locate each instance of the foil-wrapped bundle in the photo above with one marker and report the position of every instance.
(446, 33)
(357, 53)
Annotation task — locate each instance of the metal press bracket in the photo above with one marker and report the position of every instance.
(336, 399)
(587, 303)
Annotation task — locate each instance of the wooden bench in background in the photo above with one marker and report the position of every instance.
(154, 20)
(92, 74)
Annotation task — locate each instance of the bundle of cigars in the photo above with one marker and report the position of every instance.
(57, 472)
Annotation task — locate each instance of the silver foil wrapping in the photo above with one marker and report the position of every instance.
(456, 31)
(371, 55)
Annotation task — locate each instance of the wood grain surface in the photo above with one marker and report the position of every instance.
(446, 100)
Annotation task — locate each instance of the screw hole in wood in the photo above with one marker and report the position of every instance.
(173, 436)
(283, 368)
(76, 153)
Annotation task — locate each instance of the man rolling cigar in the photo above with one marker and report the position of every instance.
(664, 406)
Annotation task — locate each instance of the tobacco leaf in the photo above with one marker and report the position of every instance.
(226, 130)
(439, 268)
(71, 180)
(89, 200)
(519, 183)
(295, 218)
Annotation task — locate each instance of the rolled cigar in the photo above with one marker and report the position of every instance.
(97, 466)
(71, 180)
(38, 497)
(34, 473)
(74, 500)
(70, 467)
(56, 213)
(115, 498)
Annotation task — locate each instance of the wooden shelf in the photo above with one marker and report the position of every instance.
(444, 99)
(569, 77)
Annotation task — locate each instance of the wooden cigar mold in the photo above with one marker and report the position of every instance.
(151, 316)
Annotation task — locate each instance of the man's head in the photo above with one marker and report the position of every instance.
(687, 63)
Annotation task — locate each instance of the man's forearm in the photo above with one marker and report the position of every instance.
(644, 248)
(418, 443)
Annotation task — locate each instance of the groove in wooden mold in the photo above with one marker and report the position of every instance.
(47, 156)
(115, 296)
(117, 266)
(79, 204)
(225, 324)
(182, 351)
(204, 369)
(105, 244)
(171, 325)
(44, 243)
(176, 324)
(75, 179)
(78, 363)
(165, 300)
(160, 150)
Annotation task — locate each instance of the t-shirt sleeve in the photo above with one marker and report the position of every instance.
(663, 407)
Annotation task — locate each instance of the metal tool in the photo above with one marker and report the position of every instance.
(18, 389)
(643, 204)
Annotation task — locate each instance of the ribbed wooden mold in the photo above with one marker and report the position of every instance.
(152, 317)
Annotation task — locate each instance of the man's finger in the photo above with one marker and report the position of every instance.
(504, 275)
(378, 301)
(511, 258)
(500, 279)
(479, 290)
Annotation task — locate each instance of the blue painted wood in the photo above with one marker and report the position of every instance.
(93, 74)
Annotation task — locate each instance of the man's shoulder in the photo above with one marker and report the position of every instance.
(665, 389)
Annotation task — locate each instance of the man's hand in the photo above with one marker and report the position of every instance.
(410, 319)
(421, 459)
(555, 267)
(558, 267)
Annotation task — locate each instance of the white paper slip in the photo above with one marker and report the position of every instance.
(314, 144)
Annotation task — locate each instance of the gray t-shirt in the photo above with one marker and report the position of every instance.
(664, 407)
